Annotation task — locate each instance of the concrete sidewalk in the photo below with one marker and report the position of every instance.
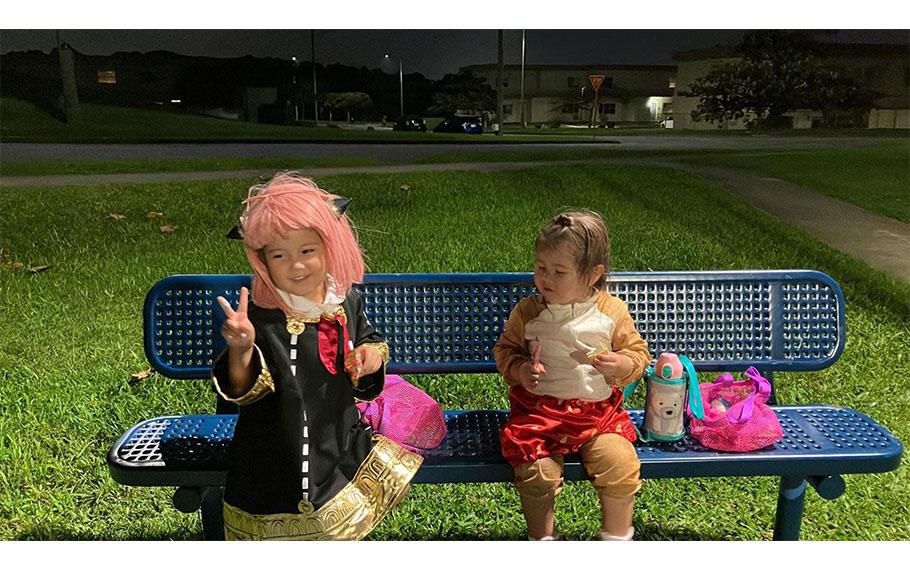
(882, 242)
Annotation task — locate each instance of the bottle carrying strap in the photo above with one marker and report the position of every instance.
(695, 404)
(630, 388)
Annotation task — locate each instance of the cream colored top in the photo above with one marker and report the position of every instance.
(567, 333)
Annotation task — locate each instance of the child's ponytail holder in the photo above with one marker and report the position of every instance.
(563, 220)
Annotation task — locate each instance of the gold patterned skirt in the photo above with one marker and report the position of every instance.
(378, 485)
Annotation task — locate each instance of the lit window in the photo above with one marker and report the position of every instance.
(672, 83)
(107, 77)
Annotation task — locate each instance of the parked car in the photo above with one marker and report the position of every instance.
(410, 123)
(461, 125)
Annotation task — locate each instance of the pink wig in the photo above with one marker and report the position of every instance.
(289, 202)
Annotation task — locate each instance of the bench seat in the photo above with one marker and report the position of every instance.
(818, 441)
(775, 320)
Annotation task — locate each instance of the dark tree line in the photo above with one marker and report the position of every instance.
(146, 79)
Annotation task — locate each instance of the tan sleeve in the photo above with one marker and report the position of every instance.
(512, 350)
(626, 339)
(261, 387)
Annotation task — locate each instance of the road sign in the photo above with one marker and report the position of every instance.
(596, 81)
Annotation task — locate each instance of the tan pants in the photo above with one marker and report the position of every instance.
(609, 459)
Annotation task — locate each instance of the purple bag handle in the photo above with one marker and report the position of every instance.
(742, 410)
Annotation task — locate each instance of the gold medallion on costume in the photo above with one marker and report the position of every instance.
(295, 326)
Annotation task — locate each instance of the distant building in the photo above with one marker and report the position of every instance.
(883, 68)
(563, 93)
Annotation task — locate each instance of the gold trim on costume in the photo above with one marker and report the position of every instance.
(378, 485)
(264, 385)
(383, 349)
(296, 325)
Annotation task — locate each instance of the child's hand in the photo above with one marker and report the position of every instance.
(529, 372)
(612, 366)
(237, 330)
(362, 361)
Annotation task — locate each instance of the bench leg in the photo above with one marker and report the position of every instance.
(790, 501)
(213, 513)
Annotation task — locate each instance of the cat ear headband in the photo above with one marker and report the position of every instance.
(338, 204)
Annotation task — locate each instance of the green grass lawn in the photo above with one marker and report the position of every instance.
(875, 178)
(72, 336)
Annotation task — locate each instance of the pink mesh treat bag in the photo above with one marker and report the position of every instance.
(737, 418)
(405, 414)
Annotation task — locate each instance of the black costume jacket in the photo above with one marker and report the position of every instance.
(314, 408)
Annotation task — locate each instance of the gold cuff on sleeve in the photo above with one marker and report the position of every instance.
(383, 349)
(263, 385)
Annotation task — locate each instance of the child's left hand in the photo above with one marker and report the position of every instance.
(362, 361)
(613, 366)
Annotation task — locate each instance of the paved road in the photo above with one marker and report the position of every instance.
(401, 153)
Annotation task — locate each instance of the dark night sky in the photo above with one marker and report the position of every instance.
(431, 52)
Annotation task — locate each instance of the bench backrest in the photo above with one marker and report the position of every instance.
(776, 320)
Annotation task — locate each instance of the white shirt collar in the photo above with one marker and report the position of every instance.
(573, 309)
(309, 308)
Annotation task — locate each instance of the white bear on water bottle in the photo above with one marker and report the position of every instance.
(668, 383)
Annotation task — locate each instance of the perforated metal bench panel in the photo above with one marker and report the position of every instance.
(818, 440)
(448, 323)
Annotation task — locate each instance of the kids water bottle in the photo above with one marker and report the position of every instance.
(671, 384)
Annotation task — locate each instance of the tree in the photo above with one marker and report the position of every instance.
(463, 91)
(348, 102)
(777, 72)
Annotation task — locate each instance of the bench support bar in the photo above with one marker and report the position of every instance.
(790, 502)
(213, 513)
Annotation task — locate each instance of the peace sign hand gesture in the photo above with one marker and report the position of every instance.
(237, 330)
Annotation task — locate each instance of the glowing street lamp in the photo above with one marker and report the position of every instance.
(400, 84)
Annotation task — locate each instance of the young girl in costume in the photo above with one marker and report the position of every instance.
(300, 353)
(566, 353)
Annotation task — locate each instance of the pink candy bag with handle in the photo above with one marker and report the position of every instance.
(405, 414)
(737, 417)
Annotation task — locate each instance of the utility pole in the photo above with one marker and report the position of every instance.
(70, 95)
(499, 74)
(313, 63)
(401, 87)
(524, 123)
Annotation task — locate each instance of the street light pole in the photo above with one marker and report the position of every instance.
(499, 73)
(400, 84)
(524, 124)
(294, 92)
(313, 62)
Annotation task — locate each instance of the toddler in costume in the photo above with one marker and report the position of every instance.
(566, 353)
(302, 465)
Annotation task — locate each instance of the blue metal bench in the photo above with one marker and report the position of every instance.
(447, 323)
